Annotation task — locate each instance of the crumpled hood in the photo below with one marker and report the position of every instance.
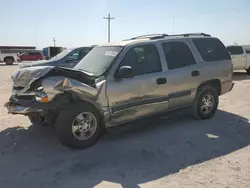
(25, 76)
(34, 63)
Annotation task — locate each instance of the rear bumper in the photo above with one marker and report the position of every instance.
(231, 87)
(226, 87)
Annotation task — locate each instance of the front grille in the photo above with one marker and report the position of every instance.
(25, 97)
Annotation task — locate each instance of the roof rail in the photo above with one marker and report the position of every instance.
(158, 36)
(192, 34)
(149, 36)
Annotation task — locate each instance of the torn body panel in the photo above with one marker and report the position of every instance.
(54, 86)
(60, 86)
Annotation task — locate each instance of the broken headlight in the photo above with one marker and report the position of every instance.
(41, 96)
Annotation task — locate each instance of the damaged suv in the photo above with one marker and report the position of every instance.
(117, 83)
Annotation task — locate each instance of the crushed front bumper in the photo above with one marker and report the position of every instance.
(24, 107)
(15, 105)
(14, 108)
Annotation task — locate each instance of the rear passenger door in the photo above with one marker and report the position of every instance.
(182, 74)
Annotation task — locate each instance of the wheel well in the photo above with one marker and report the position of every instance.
(74, 98)
(9, 57)
(213, 83)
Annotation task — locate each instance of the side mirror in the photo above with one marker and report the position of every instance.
(124, 72)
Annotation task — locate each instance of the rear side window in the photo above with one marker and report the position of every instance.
(248, 51)
(177, 55)
(34, 53)
(211, 49)
(235, 50)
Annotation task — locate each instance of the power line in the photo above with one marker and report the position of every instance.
(108, 18)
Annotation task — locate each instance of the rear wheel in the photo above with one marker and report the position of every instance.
(205, 103)
(9, 60)
(79, 125)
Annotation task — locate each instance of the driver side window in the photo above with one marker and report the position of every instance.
(143, 59)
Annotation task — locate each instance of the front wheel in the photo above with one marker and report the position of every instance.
(205, 103)
(79, 125)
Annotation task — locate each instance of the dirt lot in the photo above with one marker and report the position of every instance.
(167, 152)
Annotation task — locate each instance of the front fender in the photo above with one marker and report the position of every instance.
(57, 85)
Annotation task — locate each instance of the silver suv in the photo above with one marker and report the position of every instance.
(117, 83)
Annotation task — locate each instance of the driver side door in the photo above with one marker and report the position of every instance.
(143, 93)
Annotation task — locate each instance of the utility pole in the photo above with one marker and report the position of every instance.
(54, 41)
(108, 18)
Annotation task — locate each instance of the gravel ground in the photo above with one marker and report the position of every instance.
(164, 152)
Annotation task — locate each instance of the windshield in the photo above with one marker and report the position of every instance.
(61, 55)
(98, 60)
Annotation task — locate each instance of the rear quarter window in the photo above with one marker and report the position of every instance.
(211, 49)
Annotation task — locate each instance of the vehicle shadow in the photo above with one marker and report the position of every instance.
(129, 155)
(238, 76)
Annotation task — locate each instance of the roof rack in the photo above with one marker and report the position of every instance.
(149, 36)
(158, 36)
(192, 34)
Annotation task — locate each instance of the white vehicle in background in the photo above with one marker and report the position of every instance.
(240, 57)
(9, 58)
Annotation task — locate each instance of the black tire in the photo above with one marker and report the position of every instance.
(248, 71)
(66, 119)
(9, 61)
(196, 107)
